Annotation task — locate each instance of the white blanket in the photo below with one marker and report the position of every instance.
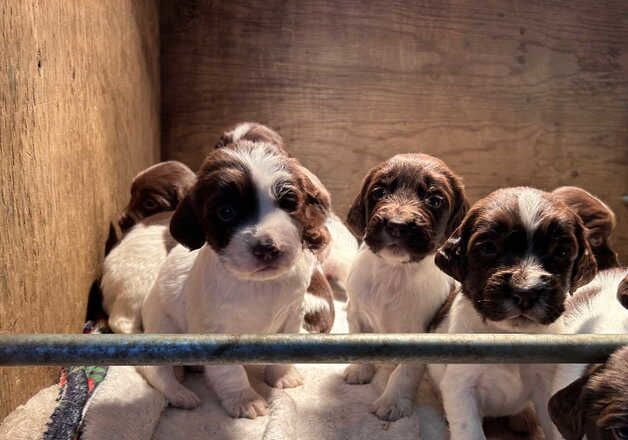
(324, 408)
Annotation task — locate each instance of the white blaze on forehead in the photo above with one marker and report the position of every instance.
(530, 204)
(530, 274)
(266, 168)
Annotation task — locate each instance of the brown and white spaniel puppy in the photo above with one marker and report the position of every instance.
(406, 209)
(334, 258)
(599, 220)
(592, 400)
(596, 404)
(156, 189)
(247, 230)
(518, 255)
(130, 268)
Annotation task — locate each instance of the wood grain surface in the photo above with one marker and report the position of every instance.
(507, 93)
(79, 116)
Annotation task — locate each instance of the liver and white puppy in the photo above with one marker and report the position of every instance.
(518, 254)
(592, 400)
(334, 258)
(156, 189)
(599, 220)
(251, 221)
(131, 267)
(407, 207)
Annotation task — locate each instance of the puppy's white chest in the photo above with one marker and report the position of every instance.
(396, 298)
(220, 302)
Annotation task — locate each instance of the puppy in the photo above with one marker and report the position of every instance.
(334, 259)
(599, 220)
(593, 400)
(341, 249)
(407, 207)
(251, 222)
(595, 405)
(130, 268)
(518, 254)
(156, 189)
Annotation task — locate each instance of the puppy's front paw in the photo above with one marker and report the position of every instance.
(356, 374)
(392, 408)
(181, 397)
(283, 376)
(245, 403)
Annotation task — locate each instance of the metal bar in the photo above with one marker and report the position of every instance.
(153, 349)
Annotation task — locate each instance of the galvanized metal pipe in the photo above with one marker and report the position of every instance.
(65, 349)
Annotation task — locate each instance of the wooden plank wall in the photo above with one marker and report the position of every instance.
(79, 116)
(507, 92)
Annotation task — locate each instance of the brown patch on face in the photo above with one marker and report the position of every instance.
(599, 220)
(253, 132)
(512, 270)
(156, 189)
(320, 320)
(311, 207)
(595, 405)
(408, 205)
(224, 198)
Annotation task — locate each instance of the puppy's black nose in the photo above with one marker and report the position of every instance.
(265, 250)
(396, 228)
(525, 298)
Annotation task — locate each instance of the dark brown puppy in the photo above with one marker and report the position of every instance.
(596, 405)
(517, 253)
(156, 189)
(599, 220)
(405, 213)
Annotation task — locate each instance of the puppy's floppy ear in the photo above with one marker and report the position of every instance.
(567, 411)
(185, 226)
(585, 267)
(460, 205)
(357, 216)
(316, 208)
(451, 257)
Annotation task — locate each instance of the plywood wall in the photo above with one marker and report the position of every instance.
(79, 116)
(508, 93)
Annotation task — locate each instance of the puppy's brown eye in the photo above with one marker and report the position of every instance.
(288, 201)
(487, 249)
(378, 193)
(620, 433)
(434, 201)
(562, 252)
(226, 213)
(595, 240)
(149, 204)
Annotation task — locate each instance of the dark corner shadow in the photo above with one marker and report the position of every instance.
(95, 311)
